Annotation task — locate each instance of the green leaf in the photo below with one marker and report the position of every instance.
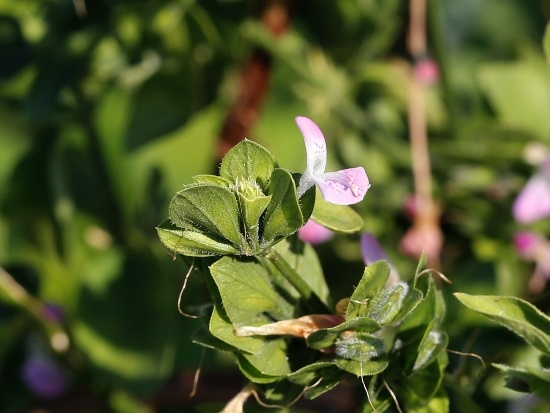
(252, 209)
(268, 364)
(413, 298)
(423, 384)
(191, 243)
(283, 216)
(330, 381)
(340, 218)
(207, 207)
(331, 376)
(164, 98)
(250, 162)
(326, 337)
(527, 380)
(520, 93)
(359, 346)
(125, 344)
(387, 304)
(518, 315)
(373, 280)
(433, 343)
(211, 179)
(280, 393)
(310, 373)
(421, 265)
(246, 291)
(223, 329)
(415, 329)
(203, 337)
(437, 403)
(304, 260)
(307, 201)
(363, 368)
(430, 312)
(546, 43)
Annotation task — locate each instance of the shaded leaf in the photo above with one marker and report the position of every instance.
(191, 243)
(326, 337)
(283, 216)
(527, 380)
(433, 343)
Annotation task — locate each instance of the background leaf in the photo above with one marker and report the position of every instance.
(514, 313)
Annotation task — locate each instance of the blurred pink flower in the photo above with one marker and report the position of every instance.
(344, 187)
(410, 207)
(533, 202)
(425, 235)
(44, 377)
(534, 248)
(526, 243)
(426, 71)
(371, 251)
(314, 233)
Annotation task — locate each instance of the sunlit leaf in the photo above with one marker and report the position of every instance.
(373, 280)
(339, 218)
(250, 162)
(518, 315)
(246, 291)
(268, 364)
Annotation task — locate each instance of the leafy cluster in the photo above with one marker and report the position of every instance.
(266, 279)
(248, 208)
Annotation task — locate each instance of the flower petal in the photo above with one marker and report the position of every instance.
(533, 202)
(316, 147)
(314, 233)
(344, 187)
(371, 251)
(306, 181)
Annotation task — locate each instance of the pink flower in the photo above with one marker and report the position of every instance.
(314, 233)
(533, 202)
(534, 248)
(426, 71)
(344, 187)
(423, 237)
(526, 243)
(371, 251)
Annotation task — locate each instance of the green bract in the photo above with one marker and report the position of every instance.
(250, 207)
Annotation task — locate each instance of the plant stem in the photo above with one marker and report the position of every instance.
(13, 291)
(313, 303)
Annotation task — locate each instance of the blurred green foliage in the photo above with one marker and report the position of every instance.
(108, 107)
